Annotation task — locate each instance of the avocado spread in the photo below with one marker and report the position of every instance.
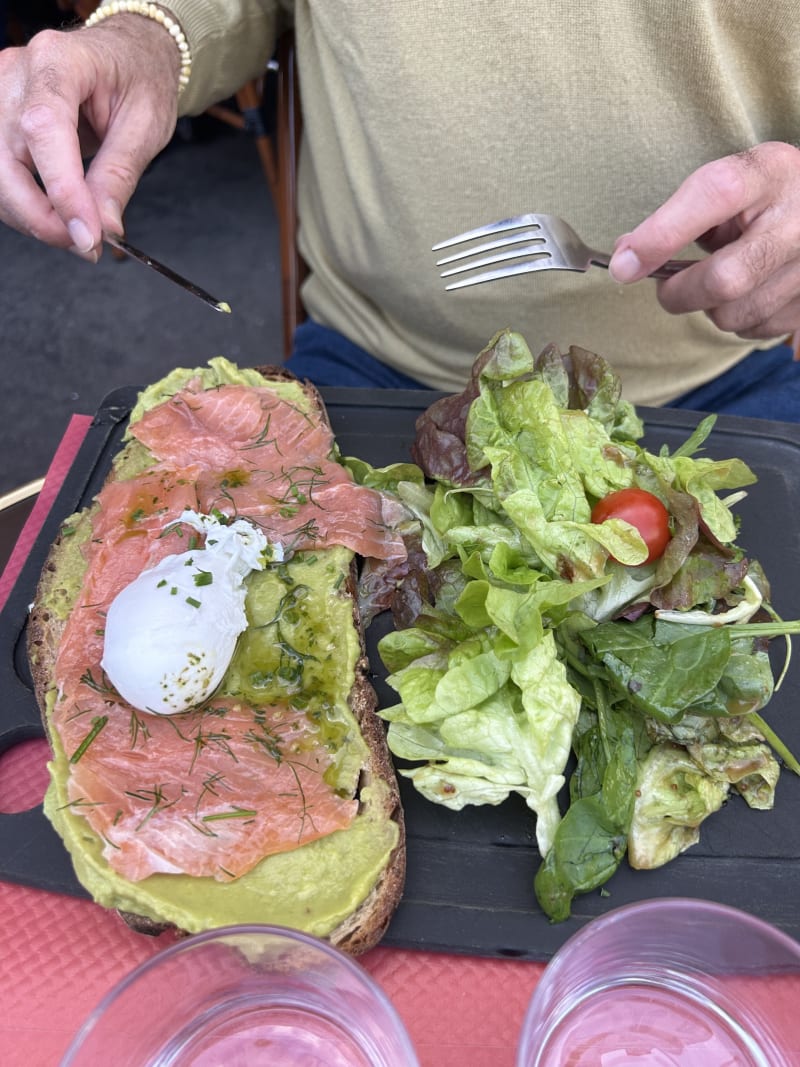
(311, 663)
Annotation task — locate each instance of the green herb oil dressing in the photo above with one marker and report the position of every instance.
(300, 649)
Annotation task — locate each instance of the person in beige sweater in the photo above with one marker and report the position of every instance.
(657, 128)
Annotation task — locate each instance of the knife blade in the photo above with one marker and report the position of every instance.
(123, 246)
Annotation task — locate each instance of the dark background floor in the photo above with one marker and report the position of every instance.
(71, 332)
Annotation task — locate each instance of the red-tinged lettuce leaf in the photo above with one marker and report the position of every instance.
(579, 379)
(378, 581)
(417, 591)
(695, 568)
(708, 575)
(583, 381)
(439, 448)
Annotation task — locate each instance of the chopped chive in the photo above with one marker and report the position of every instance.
(98, 722)
(236, 813)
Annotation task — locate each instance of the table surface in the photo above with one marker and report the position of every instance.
(61, 955)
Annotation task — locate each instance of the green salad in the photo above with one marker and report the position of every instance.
(540, 627)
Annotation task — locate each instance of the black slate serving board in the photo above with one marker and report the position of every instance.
(470, 874)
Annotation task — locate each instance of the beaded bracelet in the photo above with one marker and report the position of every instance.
(150, 11)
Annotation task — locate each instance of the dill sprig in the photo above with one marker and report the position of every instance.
(104, 687)
(156, 798)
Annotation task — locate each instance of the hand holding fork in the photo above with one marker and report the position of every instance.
(744, 209)
(530, 243)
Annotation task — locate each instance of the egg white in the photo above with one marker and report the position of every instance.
(171, 633)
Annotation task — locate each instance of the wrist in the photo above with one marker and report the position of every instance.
(133, 16)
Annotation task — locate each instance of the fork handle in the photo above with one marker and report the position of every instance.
(666, 270)
(671, 267)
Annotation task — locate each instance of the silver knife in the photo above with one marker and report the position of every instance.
(142, 257)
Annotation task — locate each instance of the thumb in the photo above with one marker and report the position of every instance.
(111, 216)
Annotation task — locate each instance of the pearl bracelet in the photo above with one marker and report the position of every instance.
(150, 11)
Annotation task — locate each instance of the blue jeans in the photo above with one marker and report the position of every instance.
(326, 357)
(764, 385)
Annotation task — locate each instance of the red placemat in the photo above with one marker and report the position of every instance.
(62, 461)
(61, 955)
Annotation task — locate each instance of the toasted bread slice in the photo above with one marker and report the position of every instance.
(348, 883)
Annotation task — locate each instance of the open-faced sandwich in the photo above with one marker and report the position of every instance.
(198, 658)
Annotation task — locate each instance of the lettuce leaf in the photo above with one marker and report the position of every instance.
(484, 725)
(673, 798)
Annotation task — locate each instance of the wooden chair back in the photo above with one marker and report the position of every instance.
(278, 146)
(287, 139)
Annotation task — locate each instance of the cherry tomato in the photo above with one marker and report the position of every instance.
(642, 510)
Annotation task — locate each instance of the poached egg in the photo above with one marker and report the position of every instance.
(171, 633)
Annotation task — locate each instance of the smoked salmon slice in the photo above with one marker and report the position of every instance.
(212, 791)
(265, 459)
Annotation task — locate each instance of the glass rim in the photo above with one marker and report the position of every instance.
(678, 904)
(220, 933)
(651, 913)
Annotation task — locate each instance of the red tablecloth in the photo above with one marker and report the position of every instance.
(59, 956)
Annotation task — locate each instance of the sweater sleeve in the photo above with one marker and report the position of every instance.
(230, 41)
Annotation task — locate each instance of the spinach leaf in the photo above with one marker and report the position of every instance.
(592, 838)
(662, 669)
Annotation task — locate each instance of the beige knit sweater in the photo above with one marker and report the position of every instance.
(424, 118)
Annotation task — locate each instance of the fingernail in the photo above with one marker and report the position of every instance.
(82, 240)
(114, 214)
(91, 256)
(625, 266)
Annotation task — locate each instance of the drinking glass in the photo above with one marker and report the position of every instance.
(668, 983)
(243, 996)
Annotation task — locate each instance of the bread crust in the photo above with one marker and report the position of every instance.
(362, 929)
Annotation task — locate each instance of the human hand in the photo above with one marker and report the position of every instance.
(110, 90)
(745, 211)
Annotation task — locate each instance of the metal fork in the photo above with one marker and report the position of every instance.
(545, 242)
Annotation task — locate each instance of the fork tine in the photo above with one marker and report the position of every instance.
(500, 257)
(493, 227)
(505, 272)
(490, 246)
